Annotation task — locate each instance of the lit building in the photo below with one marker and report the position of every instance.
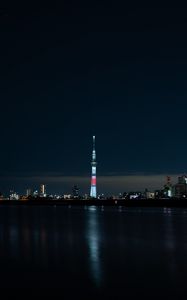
(67, 196)
(35, 193)
(180, 189)
(168, 188)
(93, 190)
(13, 196)
(43, 190)
(149, 195)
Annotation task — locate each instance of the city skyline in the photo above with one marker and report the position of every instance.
(57, 184)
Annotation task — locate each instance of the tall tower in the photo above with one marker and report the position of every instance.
(93, 191)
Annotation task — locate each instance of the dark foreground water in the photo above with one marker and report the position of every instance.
(113, 252)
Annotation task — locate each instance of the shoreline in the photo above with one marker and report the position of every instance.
(96, 202)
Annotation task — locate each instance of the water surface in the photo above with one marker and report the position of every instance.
(110, 251)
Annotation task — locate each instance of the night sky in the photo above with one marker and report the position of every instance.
(80, 69)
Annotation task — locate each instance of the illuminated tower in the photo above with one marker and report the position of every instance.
(93, 191)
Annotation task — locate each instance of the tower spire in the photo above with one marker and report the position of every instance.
(93, 142)
(93, 190)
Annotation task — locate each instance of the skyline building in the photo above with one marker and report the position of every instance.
(29, 192)
(93, 189)
(180, 189)
(75, 191)
(43, 190)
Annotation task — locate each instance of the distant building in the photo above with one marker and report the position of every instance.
(125, 195)
(13, 196)
(43, 190)
(75, 191)
(29, 192)
(67, 196)
(182, 179)
(168, 188)
(134, 195)
(180, 189)
(35, 193)
(159, 194)
(149, 195)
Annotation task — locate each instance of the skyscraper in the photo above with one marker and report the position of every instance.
(93, 191)
(43, 190)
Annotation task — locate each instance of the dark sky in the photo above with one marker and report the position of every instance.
(77, 69)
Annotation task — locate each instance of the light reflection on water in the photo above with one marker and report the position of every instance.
(94, 247)
(94, 244)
